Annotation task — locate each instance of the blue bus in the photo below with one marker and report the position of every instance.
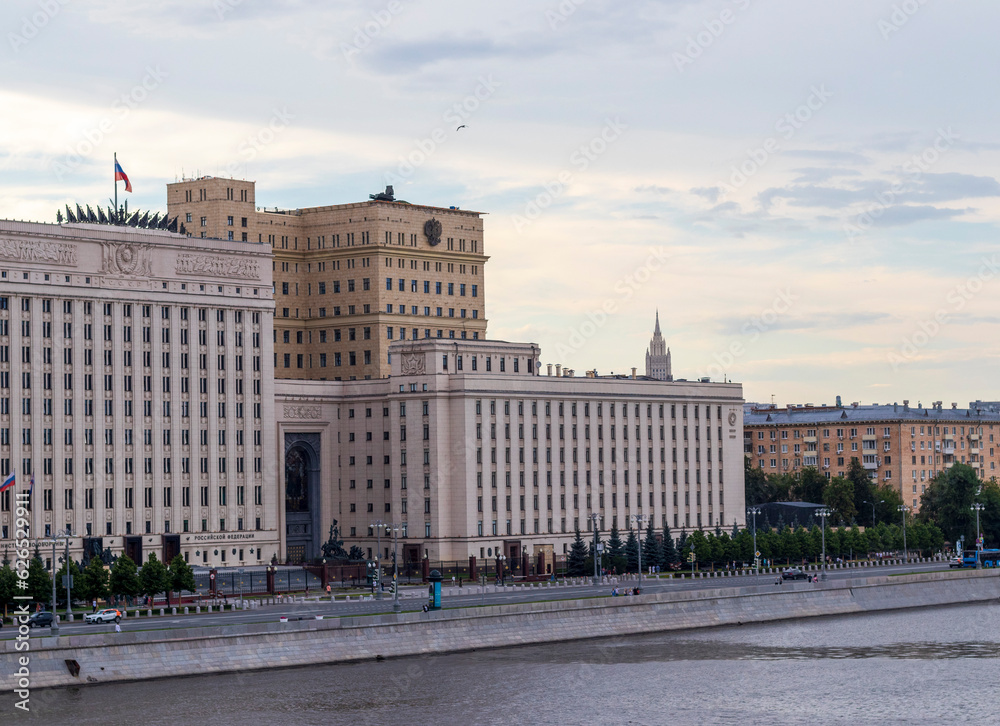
(986, 558)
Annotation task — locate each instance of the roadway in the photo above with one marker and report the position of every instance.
(453, 597)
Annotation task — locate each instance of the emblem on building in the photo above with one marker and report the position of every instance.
(732, 418)
(412, 365)
(302, 412)
(432, 228)
(127, 259)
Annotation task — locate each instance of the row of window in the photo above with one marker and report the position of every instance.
(167, 497)
(69, 466)
(147, 408)
(608, 522)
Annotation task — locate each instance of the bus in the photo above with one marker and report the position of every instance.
(986, 558)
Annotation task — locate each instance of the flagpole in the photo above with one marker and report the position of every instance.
(116, 187)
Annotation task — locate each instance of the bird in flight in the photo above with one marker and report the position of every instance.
(460, 127)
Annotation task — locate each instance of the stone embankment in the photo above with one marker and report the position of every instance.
(109, 657)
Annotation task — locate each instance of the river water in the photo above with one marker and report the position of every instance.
(928, 666)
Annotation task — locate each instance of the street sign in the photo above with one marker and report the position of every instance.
(756, 554)
(211, 576)
(600, 547)
(65, 578)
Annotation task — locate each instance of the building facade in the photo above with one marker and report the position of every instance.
(350, 279)
(470, 450)
(136, 391)
(898, 445)
(658, 356)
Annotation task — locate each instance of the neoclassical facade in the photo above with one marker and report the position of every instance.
(471, 451)
(136, 389)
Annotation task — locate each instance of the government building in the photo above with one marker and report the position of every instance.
(899, 445)
(230, 392)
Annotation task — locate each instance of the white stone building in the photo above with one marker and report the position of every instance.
(136, 388)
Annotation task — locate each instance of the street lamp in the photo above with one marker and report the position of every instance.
(596, 517)
(880, 501)
(377, 526)
(754, 511)
(977, 508)
(903, 509)
(823, 513)
(637, 518)
(503, 571)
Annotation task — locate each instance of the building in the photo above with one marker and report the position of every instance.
(898, 445)
(470, 450)
(350, 279)
(136, 388)
(658, 356)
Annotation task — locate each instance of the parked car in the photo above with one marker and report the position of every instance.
(108, 615)
(793, 573)
(40, 619)
(956, 562)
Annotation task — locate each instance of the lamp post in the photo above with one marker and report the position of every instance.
(753, 512)
(880, 501)
(977, 508)
(823, 513)
(596, 518)
(692, 560)
(637, 518)
(903, 509)
(503, 571)
(377, 526)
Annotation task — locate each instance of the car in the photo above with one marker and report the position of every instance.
(956, 562)
(108, 615)
(40, 619)
(793, 573)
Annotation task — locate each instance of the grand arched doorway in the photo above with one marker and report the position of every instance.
(302, 501)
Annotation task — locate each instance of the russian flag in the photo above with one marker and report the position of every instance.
(120, 175)
(7, 483)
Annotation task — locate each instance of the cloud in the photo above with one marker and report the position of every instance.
(829, 155)
(711, 194)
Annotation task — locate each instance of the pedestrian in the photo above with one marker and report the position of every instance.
(94, 603)
(118, 627)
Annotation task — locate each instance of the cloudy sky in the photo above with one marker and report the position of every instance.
(805, 191)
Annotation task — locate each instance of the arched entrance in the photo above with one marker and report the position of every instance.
(302, 501)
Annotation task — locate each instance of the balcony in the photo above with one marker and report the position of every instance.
(809, 439)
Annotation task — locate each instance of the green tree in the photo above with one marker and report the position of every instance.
(153, 577)
(181, 576)
(39, 582)
(864, 487)
(94, 585)
(615, 552)
(576, 563)
(948, 502)
(839, 497)
(756, 484)
(810, 485)
(651, 554)
(74, 573)
(8, 587)
(668, 551)
(702, 548)
(632, 551)
(887, 501)
(124, 581)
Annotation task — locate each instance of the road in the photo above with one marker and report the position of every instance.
(453, 597)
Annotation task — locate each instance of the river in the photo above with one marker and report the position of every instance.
(935, 666)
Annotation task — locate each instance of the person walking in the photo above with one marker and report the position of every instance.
(94, 604)
(118, 627)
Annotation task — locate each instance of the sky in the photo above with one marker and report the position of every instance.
(804, 191)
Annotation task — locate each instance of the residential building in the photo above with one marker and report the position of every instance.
(899, 445)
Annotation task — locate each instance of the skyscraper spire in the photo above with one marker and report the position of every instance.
(658, 356)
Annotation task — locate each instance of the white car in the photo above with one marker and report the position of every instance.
(108, 615)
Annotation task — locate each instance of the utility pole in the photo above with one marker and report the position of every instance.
(903, 509)
(377, 526)
(596, 518)
(977, 508)
(823, 513)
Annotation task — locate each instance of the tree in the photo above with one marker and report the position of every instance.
(632, 552)
(810, 485)
(153, 578)
(181, 576)
(124, 581)
(839, 496)
(864, 488)
(8, 587)
(948, 502)
(756, 484)
(576, 563)
(668, 551)
(616, 549)
(94, 580)
(74, 573)
(39, 582)
(651, 554)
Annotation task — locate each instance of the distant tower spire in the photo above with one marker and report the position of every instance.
(658, 356)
